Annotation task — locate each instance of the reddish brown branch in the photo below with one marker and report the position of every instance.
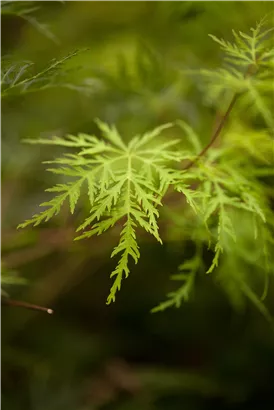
(18, 303)
(216, 133)
(250, 71)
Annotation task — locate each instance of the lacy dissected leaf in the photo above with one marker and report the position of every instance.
(124, 183)
(249, 61)
(16, 77)
(248, 49)
(12, 72)
(228, 182)
(246, 267)
(228, 189)
(188, 271)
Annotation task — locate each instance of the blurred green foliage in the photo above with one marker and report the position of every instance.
(89, 356)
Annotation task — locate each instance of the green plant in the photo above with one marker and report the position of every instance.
(17, 78)
(127, 183)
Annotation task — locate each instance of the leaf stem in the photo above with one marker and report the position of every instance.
(217, 132)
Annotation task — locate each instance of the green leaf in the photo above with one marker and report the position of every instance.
(123, 182)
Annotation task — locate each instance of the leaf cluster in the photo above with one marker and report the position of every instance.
(126, 183)
(247, 71)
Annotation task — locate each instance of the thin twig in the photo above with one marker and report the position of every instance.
(216, 133)
(18, 303)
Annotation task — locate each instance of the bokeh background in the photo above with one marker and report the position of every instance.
(90, 356)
